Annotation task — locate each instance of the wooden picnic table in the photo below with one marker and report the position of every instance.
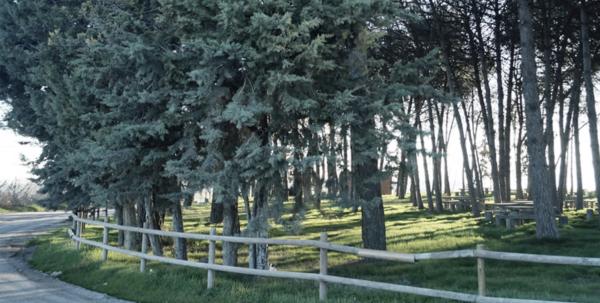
(587, 203)
(458, 203)
(515, 212)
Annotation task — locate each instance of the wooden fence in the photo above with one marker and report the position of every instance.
(324, 246)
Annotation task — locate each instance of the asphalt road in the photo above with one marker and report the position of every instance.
(19, 283)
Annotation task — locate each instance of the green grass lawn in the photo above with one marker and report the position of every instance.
(408, 230)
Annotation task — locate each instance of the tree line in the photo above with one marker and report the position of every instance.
(139, 104)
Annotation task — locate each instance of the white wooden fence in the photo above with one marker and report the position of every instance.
(324, 246)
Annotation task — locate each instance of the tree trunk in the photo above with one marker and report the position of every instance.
(259, 253)
(579, 199)
(548, 99)
(425, 169)
(502, 170)
(402, 181)
(505, 146)
(155, 243)
(474, 158)
(119, 219)
(131, 239)
(415, 184)
(231, 227)
(519, 148)
(538, 171)
(447, 188)
(332, 179)
(485, 103)
(188, 198)
(180, 243)
(439, 110)
(318, 177)
(565, 135)
(298, 180)
(463, 141)
(307, 184)
(345, 176)
(589, 98)
(368, 189)
(437, 188)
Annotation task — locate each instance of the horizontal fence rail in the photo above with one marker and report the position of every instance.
(322, 277)
(361, 252)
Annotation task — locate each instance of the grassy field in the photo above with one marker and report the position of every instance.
(27, 208)
(408, 230)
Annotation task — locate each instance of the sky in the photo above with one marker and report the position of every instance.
(11, 151)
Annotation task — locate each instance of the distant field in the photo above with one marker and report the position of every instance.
(28, 208)
(408, 230)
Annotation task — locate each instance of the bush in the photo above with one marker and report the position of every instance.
(15, 194)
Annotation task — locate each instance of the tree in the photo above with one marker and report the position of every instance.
(538, 170)
(589, 96)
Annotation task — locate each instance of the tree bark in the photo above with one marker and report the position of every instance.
(149, 204)
(332, 179)
(425, 169)
(180, 243)
(506, 146)
(549, 100)
(579, 198)
(119, 219)
(318, 177)
(474, 158)
(437, 188)
(298, 183)
(519, 149)
(589, 98)
(502, 169)
(402, 181)
(131, 239)
(259, 255)
(368, 188)
(538, 171)
(565, 135)
(345, 176)
(231, 227)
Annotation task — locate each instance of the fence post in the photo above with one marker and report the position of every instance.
(78, 234)
(74, 223)
(211, 259)
(323, 268)
(73, 227)
(144, 249)
(481, 271)
(105, 240)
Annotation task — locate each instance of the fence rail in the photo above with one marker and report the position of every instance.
(324, 246)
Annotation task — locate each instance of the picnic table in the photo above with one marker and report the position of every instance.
(569, 203)
(515, 213)
(458, 203)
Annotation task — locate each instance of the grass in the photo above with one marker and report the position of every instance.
(408, 230)
(21, 208)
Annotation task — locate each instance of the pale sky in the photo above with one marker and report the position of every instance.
(11, 166)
